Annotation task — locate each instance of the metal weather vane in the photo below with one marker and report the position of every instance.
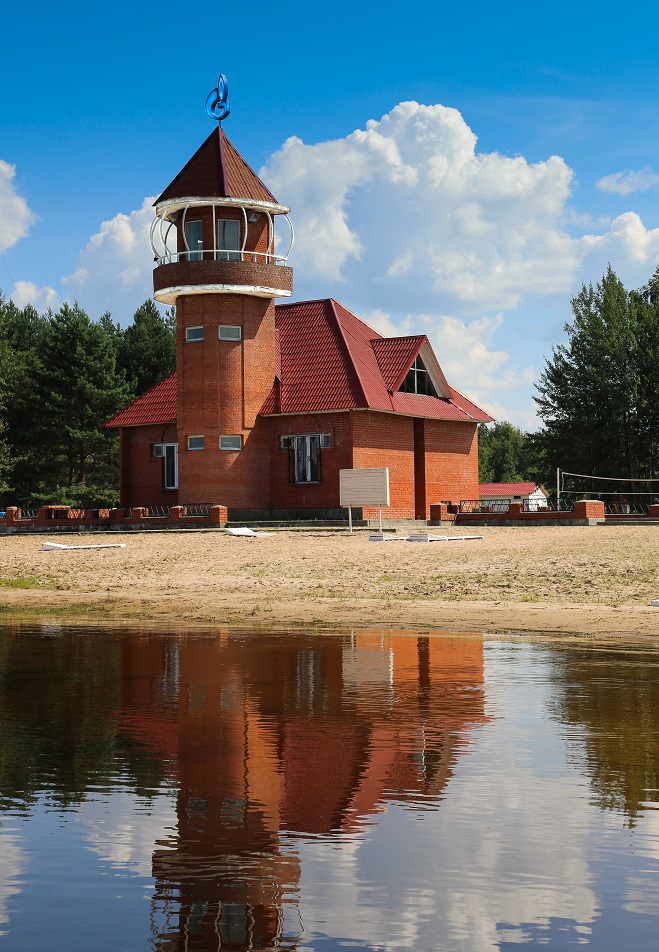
(217, 102)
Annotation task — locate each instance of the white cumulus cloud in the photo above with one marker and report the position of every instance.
(424, 214)
(628, 181)
(27, 292)
(15, 215)
(114, 271)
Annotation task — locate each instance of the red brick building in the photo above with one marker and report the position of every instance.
(269, 403)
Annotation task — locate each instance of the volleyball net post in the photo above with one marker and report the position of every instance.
(558, 488)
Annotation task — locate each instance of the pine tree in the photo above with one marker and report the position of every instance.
(76, 387)
(589, 390)
(147, 348)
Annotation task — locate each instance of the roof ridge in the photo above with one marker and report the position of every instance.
(378, 336)
(246, 166)
(332, 303)
(281, 304)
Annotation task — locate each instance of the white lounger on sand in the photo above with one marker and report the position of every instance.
(429, 537)
(49, 546)
(419, 537)
(244, 531)
(381, 537)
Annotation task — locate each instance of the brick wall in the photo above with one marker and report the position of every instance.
(382, 439)
(221, 386)
(142, 476)
(446, 454)
(257, 273)
(451, 461)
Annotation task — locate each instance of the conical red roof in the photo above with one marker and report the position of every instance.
(217, 170)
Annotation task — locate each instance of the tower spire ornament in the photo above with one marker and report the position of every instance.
(217, 102)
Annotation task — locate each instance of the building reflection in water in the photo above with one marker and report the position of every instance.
(269, 740)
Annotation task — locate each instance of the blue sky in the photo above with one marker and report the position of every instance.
(446, 215)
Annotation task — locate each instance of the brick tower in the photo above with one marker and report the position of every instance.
(213, 242)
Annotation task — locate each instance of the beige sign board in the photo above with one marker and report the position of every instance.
(364, 487)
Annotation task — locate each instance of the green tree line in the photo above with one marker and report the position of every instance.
(597, 396)
(62, 375)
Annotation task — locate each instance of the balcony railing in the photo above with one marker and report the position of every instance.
(215, 254)
(167, 217)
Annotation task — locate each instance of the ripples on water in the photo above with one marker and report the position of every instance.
(373, 791)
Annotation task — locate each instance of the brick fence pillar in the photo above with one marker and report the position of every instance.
(11, 515)
(438, 513)
(589, 509)
(219, 515)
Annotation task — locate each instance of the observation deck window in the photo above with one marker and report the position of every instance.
(228, 239)
(194, 236)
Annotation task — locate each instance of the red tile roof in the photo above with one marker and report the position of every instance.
(330, 360)
(157, 405)
(217, 170)
(507, 489)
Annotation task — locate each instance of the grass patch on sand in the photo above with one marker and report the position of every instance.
(23, 581)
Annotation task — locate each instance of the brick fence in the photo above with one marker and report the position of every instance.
(586, 512)
(62, 518)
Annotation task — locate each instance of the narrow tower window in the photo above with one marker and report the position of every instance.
(170, 465)
(194, 333)
(230, 442)
(229, 332)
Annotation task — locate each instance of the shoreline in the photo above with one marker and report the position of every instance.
(558, 581)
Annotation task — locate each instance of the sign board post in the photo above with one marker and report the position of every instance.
(364, 487)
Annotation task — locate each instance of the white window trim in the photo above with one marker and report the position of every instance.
(197, 436)
(228, 328)
(325, 440)
(194, 340)
(231, 436)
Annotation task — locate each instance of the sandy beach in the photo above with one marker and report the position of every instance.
(598, 580)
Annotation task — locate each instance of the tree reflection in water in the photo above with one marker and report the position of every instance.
(612, 697)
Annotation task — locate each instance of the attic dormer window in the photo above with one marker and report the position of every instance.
(418, 380)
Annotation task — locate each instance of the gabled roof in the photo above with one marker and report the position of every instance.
(332, 360)
(217, 170)
(328, 359)
(509, 489)
(157, 405)
(393, 353)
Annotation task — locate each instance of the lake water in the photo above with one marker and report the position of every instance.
(233, 790)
